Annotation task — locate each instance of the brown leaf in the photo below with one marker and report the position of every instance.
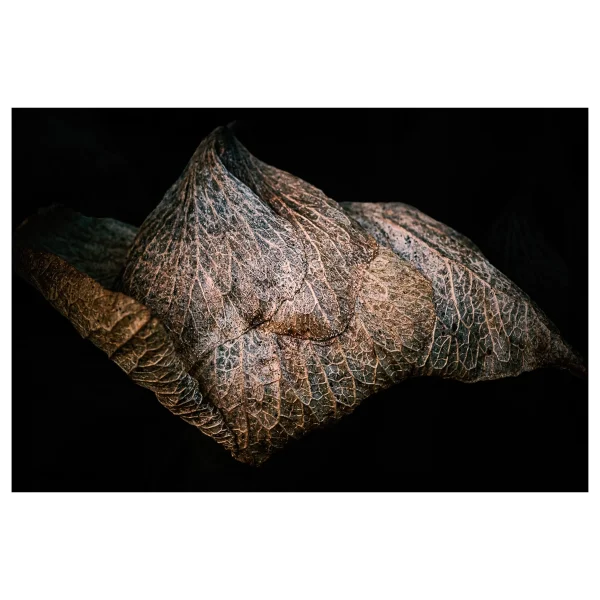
(258, 309)
(286, 312)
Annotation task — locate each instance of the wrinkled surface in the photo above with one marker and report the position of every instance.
(271, 387)
(485, 327)
(299, 315)
(120, 326)
(235, 243)
(257, 309)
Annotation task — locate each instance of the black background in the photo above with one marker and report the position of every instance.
(514, 181)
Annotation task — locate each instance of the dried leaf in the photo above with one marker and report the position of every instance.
(286, 312)
(258, 309)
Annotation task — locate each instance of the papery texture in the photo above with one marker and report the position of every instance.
(257, 308)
